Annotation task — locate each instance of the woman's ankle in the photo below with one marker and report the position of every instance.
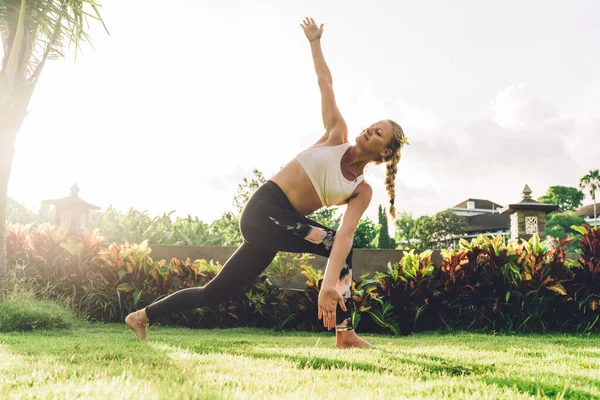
(144, 316)
(345, 335)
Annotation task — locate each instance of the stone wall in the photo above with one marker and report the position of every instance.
(363, 260)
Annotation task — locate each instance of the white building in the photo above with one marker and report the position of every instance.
(587, 213)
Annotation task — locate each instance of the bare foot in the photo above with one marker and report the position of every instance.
(349, 339)
(138, 322)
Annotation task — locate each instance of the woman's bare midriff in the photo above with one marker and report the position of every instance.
(298, 188)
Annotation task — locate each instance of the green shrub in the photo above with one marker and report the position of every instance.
(403, 293)
(486, 285)
(27, 314)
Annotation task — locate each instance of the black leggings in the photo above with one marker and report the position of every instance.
(269, 224)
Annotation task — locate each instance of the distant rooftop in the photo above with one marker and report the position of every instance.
(480, 204)
(587, 211)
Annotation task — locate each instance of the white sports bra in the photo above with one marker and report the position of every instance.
(323, 167)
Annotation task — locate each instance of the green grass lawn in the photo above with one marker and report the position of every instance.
(107, 362)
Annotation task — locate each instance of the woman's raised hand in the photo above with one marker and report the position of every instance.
(311, 30)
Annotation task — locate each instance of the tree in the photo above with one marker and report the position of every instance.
(19, 214)
(446, 224)
(384, 240)
(326, 216)
(33, 32)
(591, 182)
(405, 227)
(226, 230)
(246, 189)
(568, 198)
(432, 231)
(422, 231)
(559, 225)
(365, 234)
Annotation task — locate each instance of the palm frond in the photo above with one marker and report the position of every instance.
(51, 27)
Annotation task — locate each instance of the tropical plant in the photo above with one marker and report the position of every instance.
(285, 267)
(540, 289)
(404, 292)
(135, 227)
(458, 280)
(486, 284)
(363, 293)
(495, 275)
(309, 303)
(586, 277)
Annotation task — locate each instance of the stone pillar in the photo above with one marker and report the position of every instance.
(528, 217)
(71, 211)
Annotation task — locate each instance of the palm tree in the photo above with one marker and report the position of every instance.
(591, 181)
(32, 32)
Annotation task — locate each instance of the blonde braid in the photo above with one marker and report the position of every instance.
(390, 181)
(391, 161)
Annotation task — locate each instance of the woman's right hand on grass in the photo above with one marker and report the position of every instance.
(329, 298)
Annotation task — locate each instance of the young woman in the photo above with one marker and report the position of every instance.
(330, 172)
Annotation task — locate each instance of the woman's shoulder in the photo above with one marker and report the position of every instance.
(364, 187)
(363, 190)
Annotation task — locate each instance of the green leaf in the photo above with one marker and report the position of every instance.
(558, 288)
(73, 248)
(579, 229)
(356, 320)
(377, 318)
(137, 295)
(395, 328)
(125, 287)
(419, 311)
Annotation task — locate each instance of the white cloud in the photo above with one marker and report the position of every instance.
(518, 107)
(369, 108)
(527, 141)
(588, 107)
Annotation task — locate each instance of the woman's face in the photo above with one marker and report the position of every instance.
(375, 138)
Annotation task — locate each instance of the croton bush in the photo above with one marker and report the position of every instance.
(487, 284)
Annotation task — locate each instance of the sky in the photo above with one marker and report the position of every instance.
(181, 102)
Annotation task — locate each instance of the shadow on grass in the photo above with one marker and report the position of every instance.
(440, 366)
(540, 389)
(426, 363)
